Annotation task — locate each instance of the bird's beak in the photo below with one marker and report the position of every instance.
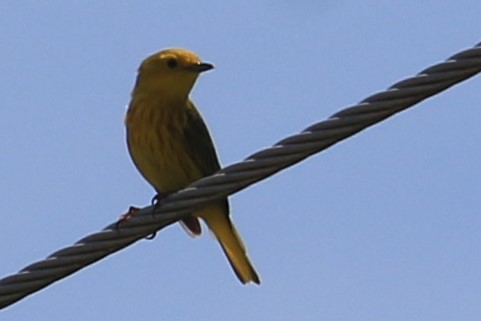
(200, 67)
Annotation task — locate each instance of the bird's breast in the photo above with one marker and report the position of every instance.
(156, 143)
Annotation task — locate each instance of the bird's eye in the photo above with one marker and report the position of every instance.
(172, 63)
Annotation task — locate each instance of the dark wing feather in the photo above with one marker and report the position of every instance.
(199, 144)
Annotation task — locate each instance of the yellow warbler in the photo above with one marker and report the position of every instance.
(171, 146)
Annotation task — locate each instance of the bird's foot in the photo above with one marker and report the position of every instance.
(126, 216)
(158, 198)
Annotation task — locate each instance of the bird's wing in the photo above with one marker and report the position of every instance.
(199, 144)
(200, 149)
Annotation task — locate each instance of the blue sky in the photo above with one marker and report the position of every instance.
(384, 226)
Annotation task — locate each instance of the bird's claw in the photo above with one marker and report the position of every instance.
(158, 198)
(126, 216)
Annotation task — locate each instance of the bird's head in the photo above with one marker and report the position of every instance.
(171, 73)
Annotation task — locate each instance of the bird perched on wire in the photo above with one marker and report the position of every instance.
(171, 146)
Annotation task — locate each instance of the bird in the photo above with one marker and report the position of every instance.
(170, 145)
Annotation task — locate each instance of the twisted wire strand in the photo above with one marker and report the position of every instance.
(233, 178)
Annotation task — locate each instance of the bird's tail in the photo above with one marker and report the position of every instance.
(231, 243)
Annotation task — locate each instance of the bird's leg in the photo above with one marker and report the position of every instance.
(156, 200)
(126, 216)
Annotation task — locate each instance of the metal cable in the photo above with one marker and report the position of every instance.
(233, 178)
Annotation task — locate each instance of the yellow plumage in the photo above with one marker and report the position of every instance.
(171, 146)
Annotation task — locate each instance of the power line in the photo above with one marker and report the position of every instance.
(233, 178)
